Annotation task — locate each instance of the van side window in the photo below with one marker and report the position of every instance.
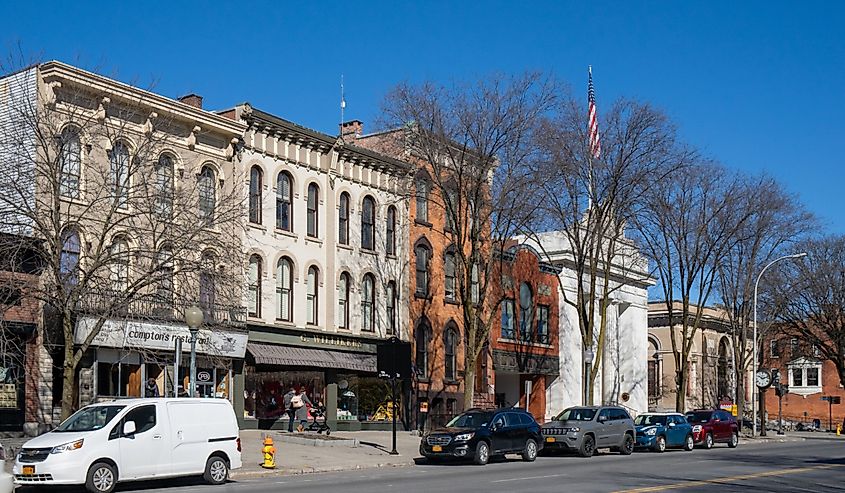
(144, 418)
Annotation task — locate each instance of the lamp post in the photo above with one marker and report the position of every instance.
(754, 387)
(588, 369)
(193, 317)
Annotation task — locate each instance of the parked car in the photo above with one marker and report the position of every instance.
(133, 439)
(479, 434)
(585, 429)
(659, 431)
(713, 426)
(7, 484)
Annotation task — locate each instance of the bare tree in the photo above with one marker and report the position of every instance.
(810, 298)
(776, 222)
(124, 228)
(688, 226)
(591, 201)
(475, 143)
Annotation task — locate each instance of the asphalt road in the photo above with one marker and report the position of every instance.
(809, 466)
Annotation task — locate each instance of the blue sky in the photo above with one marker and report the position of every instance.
(758, 85)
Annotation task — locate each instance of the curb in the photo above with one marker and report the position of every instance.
(313, 470)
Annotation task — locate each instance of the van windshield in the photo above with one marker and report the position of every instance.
(90, 418)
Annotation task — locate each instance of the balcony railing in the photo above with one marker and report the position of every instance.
(158, 308)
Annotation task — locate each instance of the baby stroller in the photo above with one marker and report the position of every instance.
(318, 423)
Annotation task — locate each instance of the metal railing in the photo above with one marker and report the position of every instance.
(157, 307)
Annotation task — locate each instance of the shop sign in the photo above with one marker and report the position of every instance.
(331, 341)
(203, 376)
(143, 335)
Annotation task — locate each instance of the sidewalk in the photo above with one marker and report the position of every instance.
(294, 458)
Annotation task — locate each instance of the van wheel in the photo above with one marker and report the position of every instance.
(689, 443)
(588, 446)
(102, 478)
(482, 453)
(627, 447)
(216, 470)
(529, 453)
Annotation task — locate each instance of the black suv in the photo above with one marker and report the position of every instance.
(479, 434)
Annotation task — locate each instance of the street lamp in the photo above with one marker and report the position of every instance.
(754, 372)
(193, 317)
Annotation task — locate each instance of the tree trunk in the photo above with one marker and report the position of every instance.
(69, 367)
(469, 383)
(682, 376)
(740, 394)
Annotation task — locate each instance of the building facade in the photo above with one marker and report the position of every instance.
(326, 269)
(712, 381)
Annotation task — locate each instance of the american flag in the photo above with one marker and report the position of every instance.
(595, 141)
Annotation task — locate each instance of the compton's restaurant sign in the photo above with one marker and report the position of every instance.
(142, 335)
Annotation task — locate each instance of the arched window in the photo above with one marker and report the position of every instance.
(284, 289)
(450, 286)
(284, 204)
(119, 162)
(391, 308)
(526, 312)
(423, 254)
(119, 260)
(422, 190)
(450, 342)
(254, 275)
(421, 338)
(164, 288)
(368, 224)
(368, 297)
(343, 288)
(312, 304)
(208, 194)
(69, 261)
(256, 183)
(164, 186)
(343, 219)
(71, 162)
(313, 202)
(208, 289)
(653, 369)
(390, 241)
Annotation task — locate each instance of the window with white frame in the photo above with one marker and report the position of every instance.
(774, 348)
(805, 376)
(71, 162)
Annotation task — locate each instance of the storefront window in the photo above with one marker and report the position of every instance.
(264, 390)
(362, 398)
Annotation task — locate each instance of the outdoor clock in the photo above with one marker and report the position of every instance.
(763, 379)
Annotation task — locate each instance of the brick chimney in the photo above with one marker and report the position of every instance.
(192, 99)
(352, 129)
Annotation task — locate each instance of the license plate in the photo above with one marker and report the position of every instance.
(436, 448)
(550, 439)
(28, 470)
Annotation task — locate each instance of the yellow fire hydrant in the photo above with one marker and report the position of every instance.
(838, 429)
(269, 454)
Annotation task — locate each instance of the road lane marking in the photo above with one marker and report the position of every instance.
(729, 479)
(528, 478)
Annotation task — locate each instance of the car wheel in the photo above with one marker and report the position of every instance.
(708, 441)
(689, 443)
(734, 440)
(482, 453)
(102, 478)
(216, 470)
(529, 452)
(627, 447)
(660, 444)
(588, 446)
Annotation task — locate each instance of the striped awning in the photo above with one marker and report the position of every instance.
(267, 354)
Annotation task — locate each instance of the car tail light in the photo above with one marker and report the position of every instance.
(239, 444)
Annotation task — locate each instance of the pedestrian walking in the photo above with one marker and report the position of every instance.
(301, 403)
(151, 389)
(289, 410)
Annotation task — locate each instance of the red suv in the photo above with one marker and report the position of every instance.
(716, 426)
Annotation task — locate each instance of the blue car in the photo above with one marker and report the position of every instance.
(659, 431)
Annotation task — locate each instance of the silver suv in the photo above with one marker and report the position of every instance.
(585, 429)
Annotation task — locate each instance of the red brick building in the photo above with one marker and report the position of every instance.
(809, 378)
(524, 340)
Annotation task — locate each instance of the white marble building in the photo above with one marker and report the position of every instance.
(623, 374)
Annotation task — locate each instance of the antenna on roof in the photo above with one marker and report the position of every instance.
(342, 101)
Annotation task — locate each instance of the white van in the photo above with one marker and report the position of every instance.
(132, 439)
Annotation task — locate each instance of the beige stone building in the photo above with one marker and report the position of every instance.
(711, 380)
